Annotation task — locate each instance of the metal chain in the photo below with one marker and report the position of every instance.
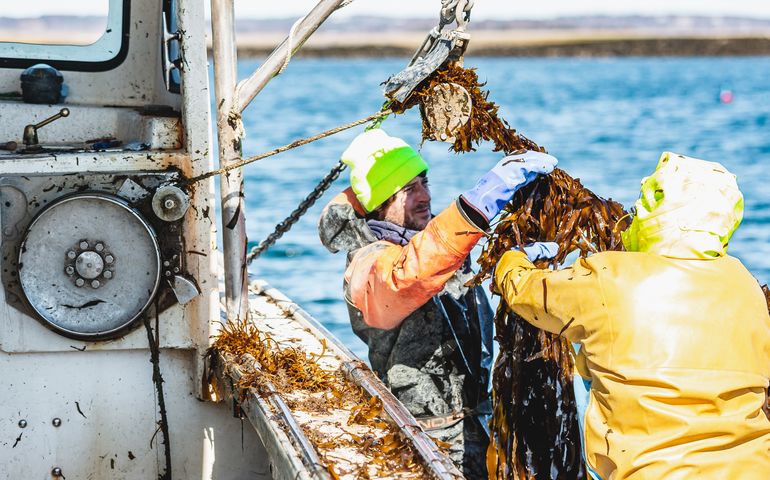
(315, 194)
(301, 209)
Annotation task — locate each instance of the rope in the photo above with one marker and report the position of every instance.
(294, 144)
(293, 31)
(290, 46)
(301, 209)
(157, 379)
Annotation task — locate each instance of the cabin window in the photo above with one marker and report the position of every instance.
(86, 35)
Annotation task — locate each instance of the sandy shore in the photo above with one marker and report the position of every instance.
(518, 44)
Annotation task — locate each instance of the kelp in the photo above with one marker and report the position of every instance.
(484, 123)
(269, 367)
(286, 368)
(534, 421)
(534, 425)
(555, 208)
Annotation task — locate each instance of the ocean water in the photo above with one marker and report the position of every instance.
(606, 120)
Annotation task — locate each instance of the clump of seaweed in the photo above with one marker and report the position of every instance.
(534, 425)
(555, 208)
(287, 368)
(534, 421)
(484, 123)
(269, 367)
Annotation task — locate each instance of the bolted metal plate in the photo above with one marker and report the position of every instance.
(447, 109)
(89, 265)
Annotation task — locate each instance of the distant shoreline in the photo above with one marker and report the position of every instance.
(567, 47)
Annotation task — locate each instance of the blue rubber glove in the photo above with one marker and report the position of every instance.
(540, 250)
(496, 187)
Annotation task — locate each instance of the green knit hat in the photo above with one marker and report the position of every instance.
(380, 166)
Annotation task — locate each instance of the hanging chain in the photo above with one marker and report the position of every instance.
(301, 209)
(322, 186)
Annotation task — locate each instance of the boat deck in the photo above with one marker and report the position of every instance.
(353, 429)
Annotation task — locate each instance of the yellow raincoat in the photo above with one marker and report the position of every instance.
(675, 337)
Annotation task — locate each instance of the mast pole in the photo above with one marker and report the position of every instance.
(230, 135)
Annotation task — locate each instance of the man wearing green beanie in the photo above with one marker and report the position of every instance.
(429, 335)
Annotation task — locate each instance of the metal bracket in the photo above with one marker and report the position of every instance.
(170, 48)
(184, 288)
(447, 109)
(436, 49)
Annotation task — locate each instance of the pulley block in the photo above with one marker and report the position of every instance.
(447, 109)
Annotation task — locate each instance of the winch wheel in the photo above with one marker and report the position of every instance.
(89, 266)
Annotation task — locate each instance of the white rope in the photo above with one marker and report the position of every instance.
(293, 31)
(290, 45)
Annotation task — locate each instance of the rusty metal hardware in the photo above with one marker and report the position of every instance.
(437, 48)
(447, 109)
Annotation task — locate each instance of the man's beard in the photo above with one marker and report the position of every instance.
(418, 223)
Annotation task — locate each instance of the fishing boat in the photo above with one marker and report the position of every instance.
(114, 287)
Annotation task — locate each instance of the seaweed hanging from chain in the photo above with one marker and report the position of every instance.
(484, 123)
(534, 426)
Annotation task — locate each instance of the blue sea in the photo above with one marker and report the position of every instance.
(606, 120)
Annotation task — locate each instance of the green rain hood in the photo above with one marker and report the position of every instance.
(688, 208)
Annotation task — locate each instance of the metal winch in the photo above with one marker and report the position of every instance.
(90, 263)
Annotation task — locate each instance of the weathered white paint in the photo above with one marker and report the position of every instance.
(115, 393)
(90, 122)
(137, 82)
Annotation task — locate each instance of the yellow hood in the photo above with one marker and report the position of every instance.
(688, 208)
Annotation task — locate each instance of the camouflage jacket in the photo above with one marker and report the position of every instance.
(437, 361)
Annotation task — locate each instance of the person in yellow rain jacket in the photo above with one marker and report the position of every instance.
(674, 334)
(429, 334)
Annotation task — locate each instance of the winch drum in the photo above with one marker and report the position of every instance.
(89, 265)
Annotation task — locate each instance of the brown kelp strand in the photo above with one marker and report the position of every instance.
(484, 123)
(534, 424)
(269, 367)
(287, 368)
(555, 208)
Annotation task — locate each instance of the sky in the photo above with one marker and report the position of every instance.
(483, 9)
(491, 9)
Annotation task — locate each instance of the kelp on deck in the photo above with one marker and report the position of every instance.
(268, 365)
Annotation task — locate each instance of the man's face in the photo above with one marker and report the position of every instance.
(410, 206)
